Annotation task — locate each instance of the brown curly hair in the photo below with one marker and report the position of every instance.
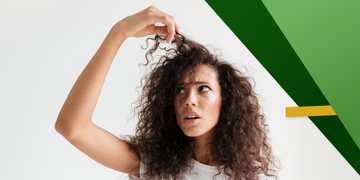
(240, 142)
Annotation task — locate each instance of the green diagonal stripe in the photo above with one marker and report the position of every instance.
(253, 25)
(325, 35)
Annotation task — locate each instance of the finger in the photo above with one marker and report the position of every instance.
(177, 30)
(167, 20)
(169, 23)
(160, 30)
(171, 33)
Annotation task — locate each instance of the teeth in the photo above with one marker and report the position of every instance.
(191, 117)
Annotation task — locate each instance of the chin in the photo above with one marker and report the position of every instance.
(193, 132)
(196, 131)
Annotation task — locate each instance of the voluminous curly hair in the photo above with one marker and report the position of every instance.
(240, 142)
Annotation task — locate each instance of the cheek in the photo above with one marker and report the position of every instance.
(176, 104)
(177, 108)
(212, 102)
(176, 99)
(214, 108)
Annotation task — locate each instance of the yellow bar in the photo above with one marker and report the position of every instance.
(310, 111)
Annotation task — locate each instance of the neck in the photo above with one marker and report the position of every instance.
(202, 149)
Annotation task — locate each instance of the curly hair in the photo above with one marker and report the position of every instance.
(240, 142)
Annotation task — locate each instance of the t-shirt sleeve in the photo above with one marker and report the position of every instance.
(142, 171)
(131, 177)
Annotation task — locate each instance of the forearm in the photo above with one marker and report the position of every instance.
(79, 106)
(74, 120)
(81, 101)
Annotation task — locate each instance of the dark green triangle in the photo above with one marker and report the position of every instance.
(251, 22)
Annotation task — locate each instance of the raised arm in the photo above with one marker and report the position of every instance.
(75, 118)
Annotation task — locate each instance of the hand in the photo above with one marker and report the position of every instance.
(143, 24)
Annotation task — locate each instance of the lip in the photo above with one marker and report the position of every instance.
(192, 121)
(191, 113)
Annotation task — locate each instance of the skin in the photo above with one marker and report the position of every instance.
(203, 96)
(75, 118)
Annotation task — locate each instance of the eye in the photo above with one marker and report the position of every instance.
(180, 90)
(204, 88)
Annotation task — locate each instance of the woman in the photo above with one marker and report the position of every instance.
(198, 116)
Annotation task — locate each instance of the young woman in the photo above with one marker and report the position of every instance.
(198, 116)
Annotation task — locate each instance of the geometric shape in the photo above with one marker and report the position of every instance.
(320, 47)
(252, 23)
(310, 111)
(336, 133)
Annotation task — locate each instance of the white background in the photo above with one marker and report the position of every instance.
(44, 46)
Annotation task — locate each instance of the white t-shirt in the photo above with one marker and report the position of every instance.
(199, 172)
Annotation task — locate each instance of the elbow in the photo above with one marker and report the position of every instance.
(63, 127)
(60, 126)
(69, 127)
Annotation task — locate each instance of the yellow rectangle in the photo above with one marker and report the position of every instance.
(310, 111)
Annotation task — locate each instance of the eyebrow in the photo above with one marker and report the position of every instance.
(197, 82)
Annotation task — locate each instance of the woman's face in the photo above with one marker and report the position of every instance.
(197, 105)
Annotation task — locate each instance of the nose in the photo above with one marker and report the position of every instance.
(190, 99)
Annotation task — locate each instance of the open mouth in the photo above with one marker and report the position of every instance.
(192, 117)
(191, 120)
